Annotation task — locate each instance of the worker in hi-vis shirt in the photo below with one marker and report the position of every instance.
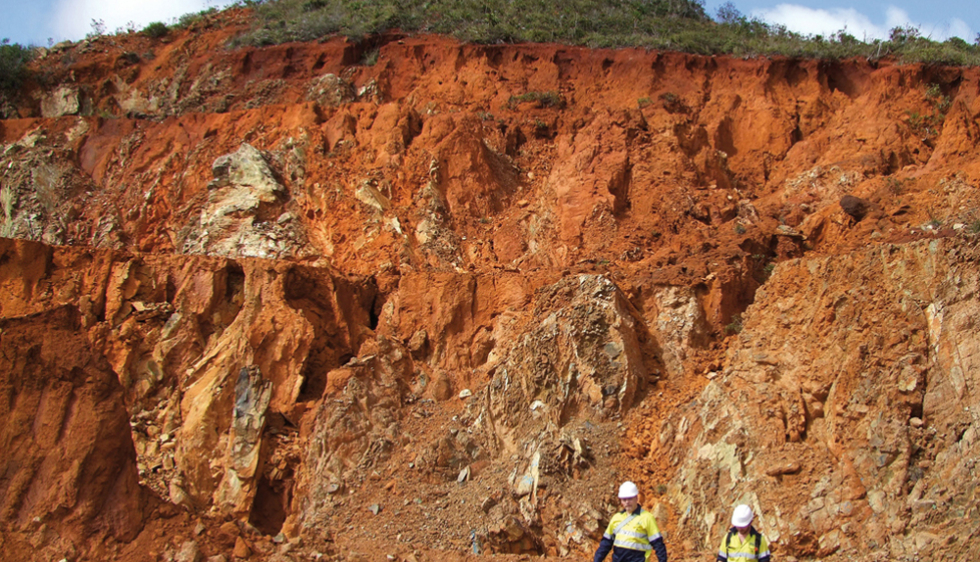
(632, 533)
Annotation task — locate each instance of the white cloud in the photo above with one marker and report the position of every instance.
(953, 28)
(72, 19)
(811, 21)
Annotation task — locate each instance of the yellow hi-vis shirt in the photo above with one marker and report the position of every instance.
(739, 550)
(637, 534)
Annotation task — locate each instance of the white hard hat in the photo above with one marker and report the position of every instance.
(628, 490)
(742, 516)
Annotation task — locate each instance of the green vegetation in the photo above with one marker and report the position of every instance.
(98, 29)
(542, 99)
(13, 65)
(191, 18)
(735, 326)
(156, 29)
(767, 271)
(895, 185)
(927, 126)
(370, 58)
(975, 226)
(679, 25)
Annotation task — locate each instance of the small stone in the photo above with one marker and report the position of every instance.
(189, 553)
(375, 508)
(227, 533)
(241, 548)
(784, 468)
(916, 422)
(786, 230)
(465, 393)
(488, 504)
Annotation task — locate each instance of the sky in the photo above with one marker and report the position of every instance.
(937, 19)
(40, 22)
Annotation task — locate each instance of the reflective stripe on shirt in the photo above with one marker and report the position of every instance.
(632, 534)
(633, 545)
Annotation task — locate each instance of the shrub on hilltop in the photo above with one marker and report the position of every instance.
(13, 65)
(586, 22)
(677, 25)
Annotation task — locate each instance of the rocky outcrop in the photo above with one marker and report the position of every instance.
(275, 303)
(843, 411)
(63, 101)
(246, 213)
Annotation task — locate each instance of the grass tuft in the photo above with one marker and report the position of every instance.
(156, 30)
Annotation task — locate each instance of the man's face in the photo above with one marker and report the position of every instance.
(743, 530)
(629, 504)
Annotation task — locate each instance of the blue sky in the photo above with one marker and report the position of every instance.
(33, 22)
(937, 19)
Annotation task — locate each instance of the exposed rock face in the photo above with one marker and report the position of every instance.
(246, 214)
(63, 101)
(69, 466)
(839, 413)
(583, 355)
(398, 309)
(330, 89)
(252, 395)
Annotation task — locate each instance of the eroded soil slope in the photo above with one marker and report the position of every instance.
(406, 298)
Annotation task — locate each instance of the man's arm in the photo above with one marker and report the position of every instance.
(764, 555)
(605, 545)
(660, 548)
(722, 551)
